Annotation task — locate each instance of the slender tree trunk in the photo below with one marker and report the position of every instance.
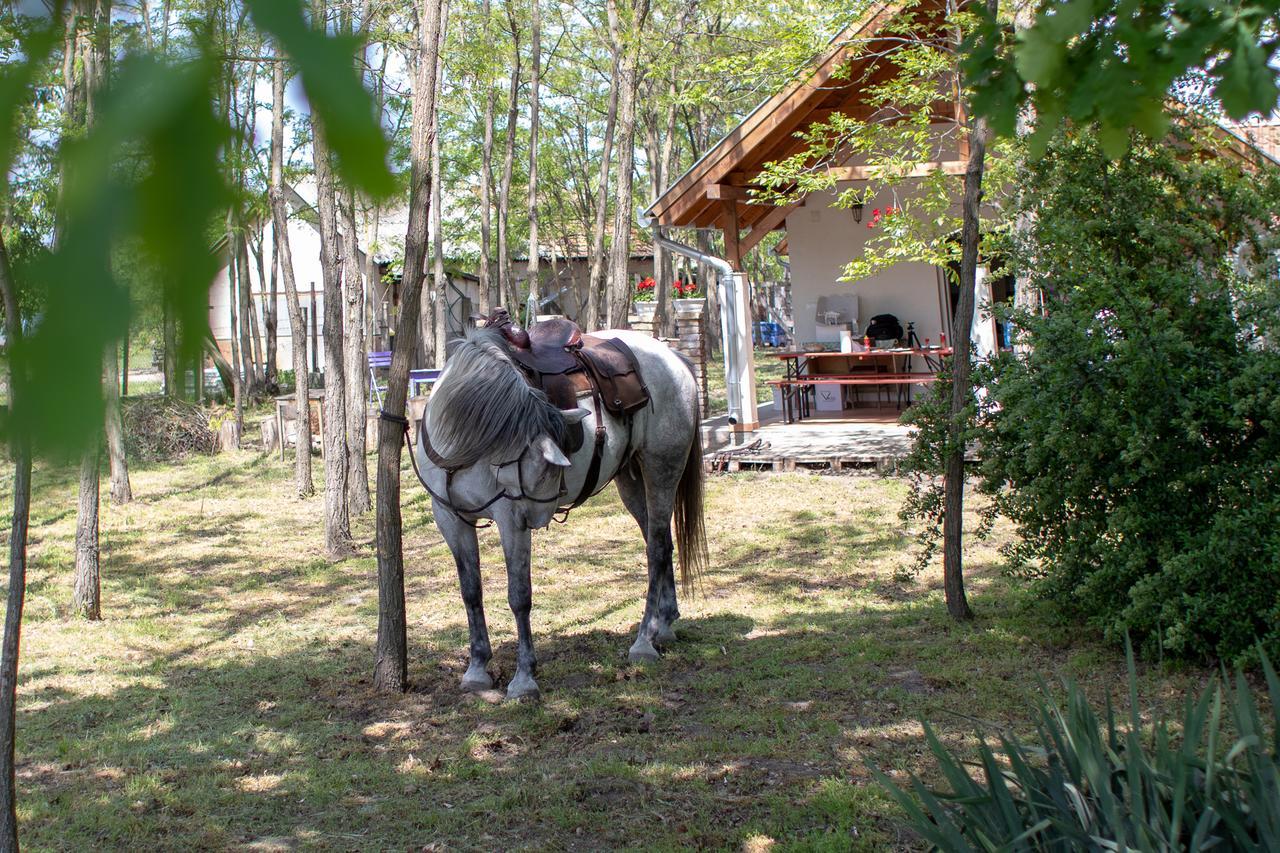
(356, 358)
(169, 364)
(391, 659)
(653, 153)
(486, 178)
(707, 276)
(961, 386)
(121, 491)
(620, 250)
(297, 324)
(256, 326)
(439, 297)
(270, 319)
(337, 526)
(20, 452)
(439, 277)
(233, 318)
(86, 596)
(664, 268)
(535, 93)
(506, 283)
(249, 355)
(596, 276)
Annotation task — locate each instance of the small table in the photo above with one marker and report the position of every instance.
(315, 397)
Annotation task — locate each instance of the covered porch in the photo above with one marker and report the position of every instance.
(717, 192)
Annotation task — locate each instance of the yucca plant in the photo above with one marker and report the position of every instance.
(1090, 785)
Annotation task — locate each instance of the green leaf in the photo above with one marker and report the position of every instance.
(1248, 84)
(333, 88)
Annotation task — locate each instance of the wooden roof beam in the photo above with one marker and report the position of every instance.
(771, 221)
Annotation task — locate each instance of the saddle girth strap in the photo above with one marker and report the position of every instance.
(597, 451)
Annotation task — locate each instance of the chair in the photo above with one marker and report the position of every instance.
(378, 361)
(422, 376)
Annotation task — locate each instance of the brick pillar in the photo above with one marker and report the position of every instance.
(691, 340)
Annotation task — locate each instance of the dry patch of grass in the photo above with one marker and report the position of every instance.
(225, 700)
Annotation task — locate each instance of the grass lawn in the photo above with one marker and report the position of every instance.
(768, 366)
(225, 699)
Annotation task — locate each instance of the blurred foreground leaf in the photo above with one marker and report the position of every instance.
(327, 65)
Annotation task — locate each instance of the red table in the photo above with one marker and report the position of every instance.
(806, 369)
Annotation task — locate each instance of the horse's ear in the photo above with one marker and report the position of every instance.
(575, 416)
(550, 452)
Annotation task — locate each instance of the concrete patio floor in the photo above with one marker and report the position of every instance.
(853, 438)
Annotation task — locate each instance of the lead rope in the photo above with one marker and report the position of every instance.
(413, 460)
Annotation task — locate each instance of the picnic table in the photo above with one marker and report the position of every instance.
(882, 369)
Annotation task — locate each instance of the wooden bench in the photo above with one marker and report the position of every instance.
(800, 385)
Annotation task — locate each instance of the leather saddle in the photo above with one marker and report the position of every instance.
(560, 360)
(565, 364)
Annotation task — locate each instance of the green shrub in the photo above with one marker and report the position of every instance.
(1136, 444)
(1096, 785)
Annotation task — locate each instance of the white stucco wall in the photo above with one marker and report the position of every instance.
(821, 241)
(304, 244)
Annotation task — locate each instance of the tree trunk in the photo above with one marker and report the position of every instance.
(249, 354)
(172, 381)
(506, 283)
(257, 326)
(391, 658)
(270, 320)
(486, 179)
(961, 388)
(121, 492)
(439, 281)
(86, 594)
(654, 154)
(596, 277)
(535, 92)
(337, 522)
(20, 451)
(620, 250)
(356, 358)
(707, 276)
(297, 324)
(237, 353)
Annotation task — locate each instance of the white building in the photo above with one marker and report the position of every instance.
(304, 244)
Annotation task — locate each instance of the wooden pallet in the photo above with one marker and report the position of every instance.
(712, 463)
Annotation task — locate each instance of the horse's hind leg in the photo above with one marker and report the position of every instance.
(466, 555)
(660, 609)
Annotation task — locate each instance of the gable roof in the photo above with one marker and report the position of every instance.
(714, 191)
(703, 196)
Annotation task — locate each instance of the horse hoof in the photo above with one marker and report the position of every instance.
(477, 685)
(643, 652)
(523, 688)
(666, 635)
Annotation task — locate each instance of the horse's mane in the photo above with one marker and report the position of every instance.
(482, 407)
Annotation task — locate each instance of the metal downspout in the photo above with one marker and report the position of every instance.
(728, 307)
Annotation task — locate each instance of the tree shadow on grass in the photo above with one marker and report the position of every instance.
(743, 727)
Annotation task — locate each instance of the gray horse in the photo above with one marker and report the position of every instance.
(499, 450)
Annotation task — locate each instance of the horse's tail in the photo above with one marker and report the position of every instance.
(691, 535)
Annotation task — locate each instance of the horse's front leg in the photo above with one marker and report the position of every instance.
(461, 538)
(516, 544)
